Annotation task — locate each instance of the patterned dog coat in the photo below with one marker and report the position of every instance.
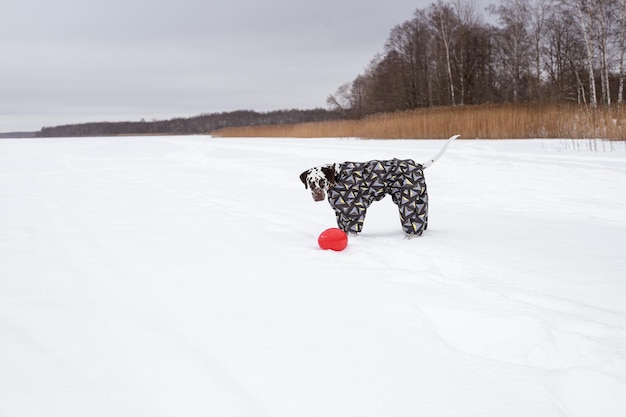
(359, 184)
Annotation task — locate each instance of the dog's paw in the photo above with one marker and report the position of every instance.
(410, 236)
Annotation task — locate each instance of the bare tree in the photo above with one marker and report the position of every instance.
(538, 13)
(585, 11)
(341, 101)
(604, 28)
(621, 46)
(403, 41)
(465, 54)
(513, 15)
(443, 17)
(564, 55)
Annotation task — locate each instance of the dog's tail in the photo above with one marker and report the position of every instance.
(434, 158)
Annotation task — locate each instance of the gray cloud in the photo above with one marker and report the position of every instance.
(88, 60)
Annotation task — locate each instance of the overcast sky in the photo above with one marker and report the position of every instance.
(71, 61)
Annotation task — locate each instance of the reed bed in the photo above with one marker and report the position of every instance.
(505, 121)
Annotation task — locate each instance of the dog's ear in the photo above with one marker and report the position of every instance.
(329, 173)
(303, 178)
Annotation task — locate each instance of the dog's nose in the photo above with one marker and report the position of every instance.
(318, 196)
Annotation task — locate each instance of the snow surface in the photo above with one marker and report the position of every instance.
(180, 276)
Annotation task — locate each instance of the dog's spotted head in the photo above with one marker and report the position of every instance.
(320, 179)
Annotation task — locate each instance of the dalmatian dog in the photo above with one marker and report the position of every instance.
(352, 187)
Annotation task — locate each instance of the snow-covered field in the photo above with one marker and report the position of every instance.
(180, 277)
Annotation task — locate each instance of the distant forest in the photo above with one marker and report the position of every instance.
(540, 51)
(202, 124)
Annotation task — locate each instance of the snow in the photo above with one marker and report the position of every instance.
(180, 276)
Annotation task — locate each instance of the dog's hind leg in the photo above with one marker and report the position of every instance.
(412, 201)
(413, 216)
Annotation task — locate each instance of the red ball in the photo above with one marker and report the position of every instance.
(333, 238)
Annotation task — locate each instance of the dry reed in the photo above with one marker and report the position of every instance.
(505, 121)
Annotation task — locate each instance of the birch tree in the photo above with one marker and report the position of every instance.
(603, 12)
(584, 11)
(443, 17)
(538, 14)
(621, 46)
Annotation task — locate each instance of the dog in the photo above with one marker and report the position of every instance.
(353, 186)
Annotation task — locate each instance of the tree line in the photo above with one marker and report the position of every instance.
(539, 51)
(202, 124)
(546, 51)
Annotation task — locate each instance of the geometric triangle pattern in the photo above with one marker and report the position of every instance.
(359, 184)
